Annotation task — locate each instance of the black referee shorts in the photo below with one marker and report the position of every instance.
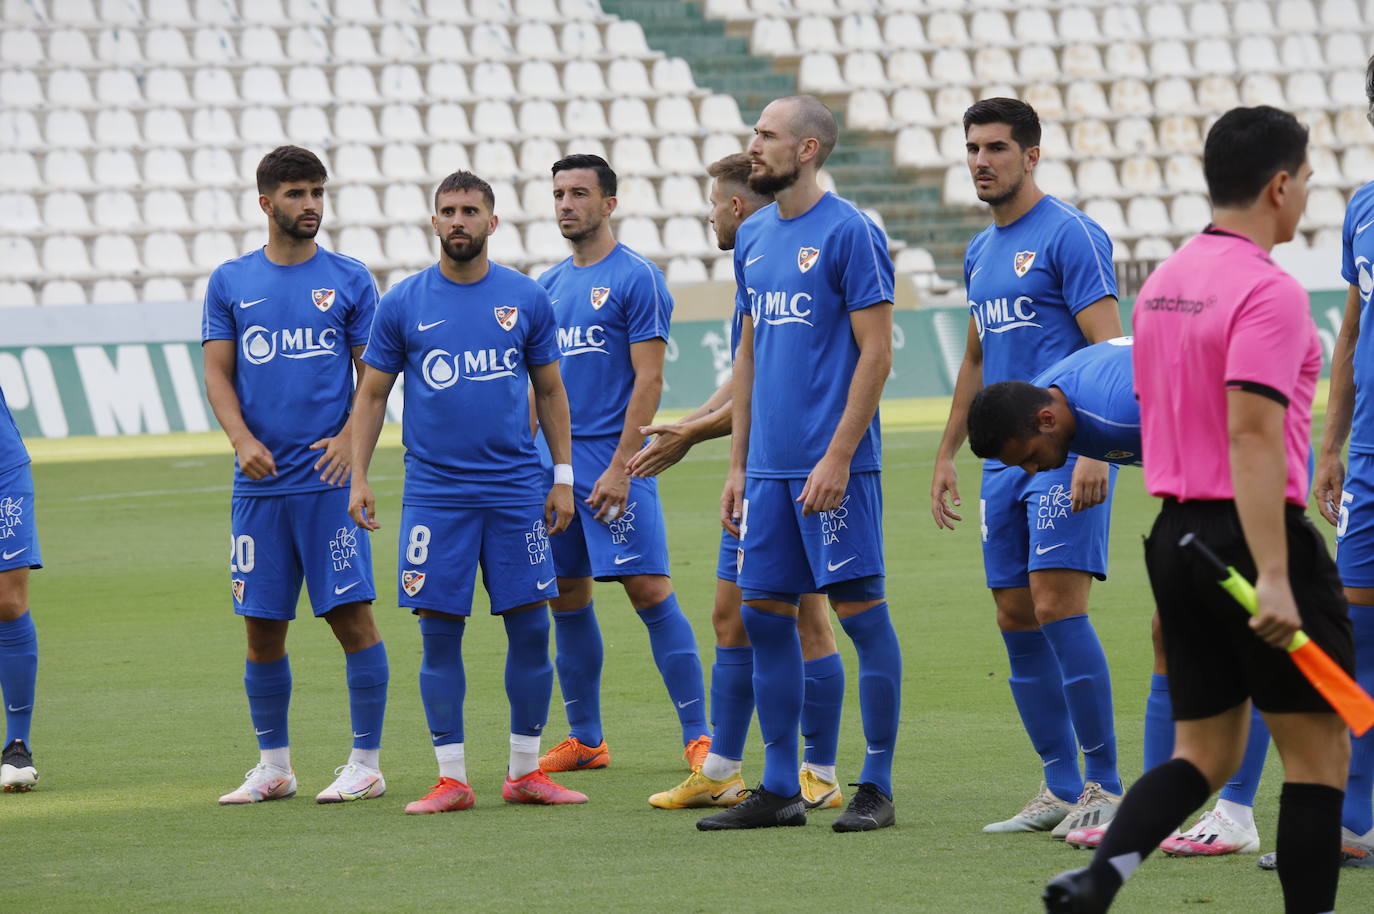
(1215, 660)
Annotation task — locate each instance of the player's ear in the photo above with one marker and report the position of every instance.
(611, 203)
(737, 207)
(1044, 418)
(1032, 157)
(265, 204)
(810, 148)
(495, 221)
(434, 224)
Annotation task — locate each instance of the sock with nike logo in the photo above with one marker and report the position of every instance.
(529, 684)
(443, 683)
(1088, 694)
(577, 639)
(1038, 691)
(18, 675)
(779, 682)
(880, 690)
(367, 674)
(824, 699)
(269, 696)
(674, 646)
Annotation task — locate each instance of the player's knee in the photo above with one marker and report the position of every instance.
(14, 594)
(729, 626)
(646, 590)
(353, 626)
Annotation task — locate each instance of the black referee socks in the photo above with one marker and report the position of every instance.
(1309, 847)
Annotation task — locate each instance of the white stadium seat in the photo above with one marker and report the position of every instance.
(114, 253)
(162, 168)
(65, 210)
(65, 256)
(539, 79)
(1098, 178)
(19, 213)
(164, 289)
(1140, 175)
(1183, 172)
(166, 209)
(65, 168)
(62, 292)
(113, 291)
(819, 73)
(17, 257)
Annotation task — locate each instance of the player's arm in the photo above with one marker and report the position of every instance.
(1259, 475)
(1329, 482)
(254, 458)
(337, 458)
(551, 405)
(741, 402)
(826, 483)
(672, 441)
(1091, 479)
(369, 411)
(946, 477)
(612, 488)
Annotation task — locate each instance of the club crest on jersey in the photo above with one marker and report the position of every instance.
(412, 581)
(506, 316)
(806, 258)
(1022, 262)
(323, 298)
(599, 296)
(237, 585)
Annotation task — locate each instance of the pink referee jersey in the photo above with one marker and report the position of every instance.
(1217, 315)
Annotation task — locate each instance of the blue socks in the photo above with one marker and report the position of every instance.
(1039, 694)
(1088, 694)
(579, 657)
(880, 690)
(443, 683)
(367, 674)
(18, 675)
(778, 687)
(674, 646)
(529, 672)
(1357, 812)
(1243, 787)
(1159, 722)
(821, 707)
(732, 700)
(269, 695)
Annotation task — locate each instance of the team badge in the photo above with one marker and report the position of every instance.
(1022, 262)
(412, 581)
(322, 298)
(506, 316)
(599, 296)
(1118, 455)
(237, 585)
(806, 258)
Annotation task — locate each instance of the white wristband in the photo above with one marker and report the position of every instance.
(562, 474)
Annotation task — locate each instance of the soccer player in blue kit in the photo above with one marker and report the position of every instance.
(18, 639)
(471, 337)
(284, 326)
(1040, 285)
(613, 310)
(804, 493)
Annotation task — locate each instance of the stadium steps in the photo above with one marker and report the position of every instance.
(862, 164)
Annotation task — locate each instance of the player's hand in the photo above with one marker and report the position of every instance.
(610, 493)
(362, 507)
(1328, 485)
(825, 486)
(558, 509)
(669, 445)
(945, 480)
(337, 459)
(732, 502)
(1277, 618)
(255, 459)
(1089, 484)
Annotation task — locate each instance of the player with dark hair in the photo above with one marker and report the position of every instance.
(814, 285)
(1040, 286)
(472, 337)
(718, 781)
(18, 638)
(1226, 365)
(283, 329)
(613, 310)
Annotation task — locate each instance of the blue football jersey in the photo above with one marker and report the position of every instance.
(1027, 281)
(1357, 268)
(800, 278)
(601, 310)
(1096, 380)
(295, 327)
(465, 350)
(12, 451)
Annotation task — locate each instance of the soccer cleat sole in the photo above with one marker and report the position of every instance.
(226, 801)
(368, 794)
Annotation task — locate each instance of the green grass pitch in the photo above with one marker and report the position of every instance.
(142, 724)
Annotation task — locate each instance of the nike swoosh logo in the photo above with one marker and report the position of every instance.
(872, 751)
(571, 701)
(249, 304)
(423, 327)
(751, 260)
(543, 584)
(361, 735)
(262, 732)
(975, 272)
(1361, 228)
(339, 590)
(622, 559)
(717, 796)
(832, 566)
(683, 704)
(14, 710)
(1093, 748)
(1041, 550)
(555, 301)
(9, 555)
(585, 761)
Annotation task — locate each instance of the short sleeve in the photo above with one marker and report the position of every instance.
(1082, 255)
(1270, 338)
(217, 319)
(386, 346)
(1349, 272)
(541, 343)
(364, 310)
(865, 273)
(648, 306)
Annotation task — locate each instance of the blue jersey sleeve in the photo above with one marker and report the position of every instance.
(1082, 254)
(386, 347)
(1348, 270)
(360, 318)
(864, 267)
(648, 305)
(217, 321)
(541, 345)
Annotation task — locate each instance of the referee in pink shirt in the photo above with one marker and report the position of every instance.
(1226, 363)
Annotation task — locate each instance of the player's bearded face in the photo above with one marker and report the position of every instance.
(770, 177)
(298, 209)
(461, 246)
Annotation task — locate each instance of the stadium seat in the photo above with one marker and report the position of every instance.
(1140, 175)
(401, 83)
(1125, 58)
(629, 76)
(1165, 20)
(915, 147)
(958, 187)
(1053, 137)
(65, 256)
(1325, 208)
(685, 270)
(1179, 134)
(1043, 97)
(116, 168)
(1345, 49)
(1056, 178)
(306, 122)
(638, 197)
(641, 233)
(1208, 19)
(544, 242)
(118, 87)
(1174, 95)
(723, 270)
(1034, 25)
(68, 88)
(1357, 162)
(408, 245)
(64, 168)
(1217, 93)
(1091, 137)
(1295, 15)
(354, 124)
(67, 128)
(675, 114)
(356, 204)
(490, 41)
(113, 292)
(62, 292)
(537, 10)
(494, 119)
(952, 144)
(686, 236)
(1190, 212)
(588, 116)
(1261, 89)
(166, 209)
(679, 154)
(114, 253)
(947, 29)
(1326, 168)
(1153, 249)
(1347, 88)
(22, 47)
(493, 159)
(354, 162)
(632, 155)
(354, 83)
(262, 86)
(1083, 61)
(994, 64)
(816, 33)
(1108, 215)
(402, 161)
(362, 243)
(15, 294)
(864, 69)
(819, 73)
(20, 89)
(912, 106)
(17, 257)
(1300, 52)
(1038, 62)
(539, 118)
(161, 168)
(630, 116)
(69, 47)
(536, 40)
(19, 213)
(719, 113)
(1077, 23)
(214, 167)
(65, 210)
(1086, 99)
(539, 79)
(1183, 172)
(867, 110)
(1252, 17)
(260, 44)
(493, 80)
(363, 11)
(353, 44)
(584, 79)
(445, 158)
(1352, 126)
(164, 289)
(951, 102)
(682, 195)
(407, 203)
(1097, 178)
(771, 37)
(860, 32)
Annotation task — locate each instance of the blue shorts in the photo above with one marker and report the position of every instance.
(1355, 530)
(787, 555)
(276, 540)
(1028, 524)
(727, 565)
(442, 548)
(18, 525)
(634, 543)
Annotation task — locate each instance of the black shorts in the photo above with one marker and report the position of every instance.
(1215, 660)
